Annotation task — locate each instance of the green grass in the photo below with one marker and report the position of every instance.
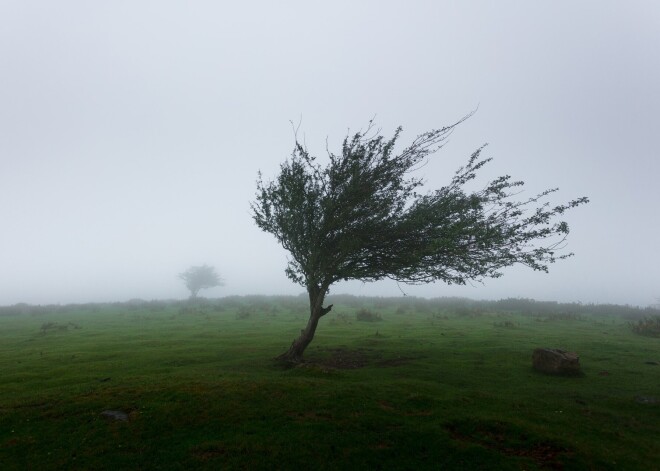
(421, 389)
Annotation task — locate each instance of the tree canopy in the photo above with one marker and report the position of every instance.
(361, 216)
(200, 277)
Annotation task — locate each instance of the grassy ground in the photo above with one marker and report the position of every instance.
(425, 388)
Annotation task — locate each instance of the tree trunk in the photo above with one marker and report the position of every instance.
(316, 310)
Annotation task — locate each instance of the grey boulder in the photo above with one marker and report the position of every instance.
(555, 361)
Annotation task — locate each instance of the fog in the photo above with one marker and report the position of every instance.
(132, 133)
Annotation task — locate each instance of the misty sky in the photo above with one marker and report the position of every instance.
(131, 132)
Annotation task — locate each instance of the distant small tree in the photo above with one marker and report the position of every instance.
(201, 277)
(360, 217)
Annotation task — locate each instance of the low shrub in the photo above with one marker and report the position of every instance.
(563, 316)
(402, 310)
(343, 318)
(366, 315)
(54, 326)
(191, 310)
(470, 311)
(244, 312)
(649, 326)
(507, 324)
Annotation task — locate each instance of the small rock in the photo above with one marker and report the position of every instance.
(604, 373)
(652, 363)
(555, 361)
(646, 400)
(115, 415)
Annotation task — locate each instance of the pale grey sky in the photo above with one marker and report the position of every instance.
(131, 132)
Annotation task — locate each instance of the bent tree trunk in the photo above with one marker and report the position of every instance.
(316, 310)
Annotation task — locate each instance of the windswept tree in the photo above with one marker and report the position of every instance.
(201, 277)
(360, 217)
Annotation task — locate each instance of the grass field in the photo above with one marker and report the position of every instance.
(430, 386)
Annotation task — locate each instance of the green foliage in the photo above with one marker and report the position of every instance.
(201, 277)
(361, 217)
(649, 326)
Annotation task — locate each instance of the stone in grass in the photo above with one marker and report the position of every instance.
(115, 415)
(556, 361)
(646, 400)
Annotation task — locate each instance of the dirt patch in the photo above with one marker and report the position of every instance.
(510, 440)
(208, 451)
(386, 406)
(115, 415)
(398, 361)
(347, 359)
(304, 416)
